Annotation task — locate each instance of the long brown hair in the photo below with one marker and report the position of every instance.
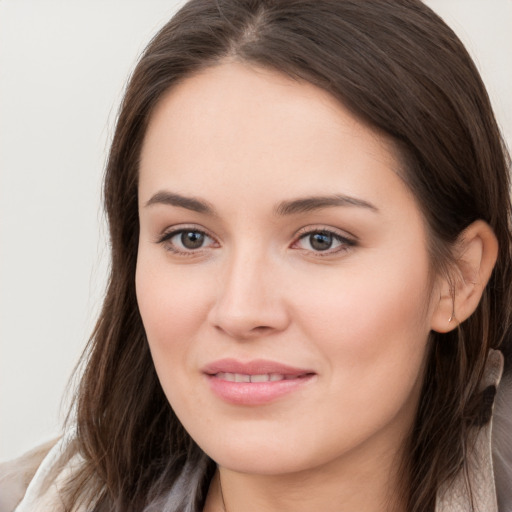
(398, 67)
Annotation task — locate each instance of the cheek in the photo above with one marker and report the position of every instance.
(172, 308)
(173, 304)
(372, 323)
(373, 332)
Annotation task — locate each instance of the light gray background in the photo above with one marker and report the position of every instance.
(63, 66)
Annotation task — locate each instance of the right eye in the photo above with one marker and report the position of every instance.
(186, 240)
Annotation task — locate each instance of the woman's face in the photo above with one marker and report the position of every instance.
(283, 274)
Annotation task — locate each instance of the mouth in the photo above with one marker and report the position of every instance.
(257, 382)
(262, 377)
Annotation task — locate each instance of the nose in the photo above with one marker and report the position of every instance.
(249, 301)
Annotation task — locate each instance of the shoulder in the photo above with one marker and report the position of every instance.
(16, 475)
(502, 443)
(485, 483)
(46, 492)
(36, 482)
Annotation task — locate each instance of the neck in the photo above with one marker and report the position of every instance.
(368, 487)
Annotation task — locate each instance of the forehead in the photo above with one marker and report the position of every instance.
(259, 128)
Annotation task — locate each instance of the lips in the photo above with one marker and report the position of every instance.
(256, 382)
(254, 367)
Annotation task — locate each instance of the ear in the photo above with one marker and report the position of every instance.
(475, 255)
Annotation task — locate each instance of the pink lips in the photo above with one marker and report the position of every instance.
(254, 383)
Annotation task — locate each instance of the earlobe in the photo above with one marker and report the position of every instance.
(475, 255)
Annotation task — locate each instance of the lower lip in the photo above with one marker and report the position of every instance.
(256, 393)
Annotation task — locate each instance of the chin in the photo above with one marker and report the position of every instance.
(266, 455)
(263, 463)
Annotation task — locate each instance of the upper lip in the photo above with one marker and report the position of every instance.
(254, 367)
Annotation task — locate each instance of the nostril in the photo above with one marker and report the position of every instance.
(262, 329)
(236, 332)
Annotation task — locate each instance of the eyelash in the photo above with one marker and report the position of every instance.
(166, 238)
(345, 243)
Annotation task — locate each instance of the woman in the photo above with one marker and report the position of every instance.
(310, 224)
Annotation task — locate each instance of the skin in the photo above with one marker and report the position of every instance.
(245, 140)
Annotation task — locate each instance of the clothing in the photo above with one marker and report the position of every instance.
(489, 457)
(480, 464)
(16, 475)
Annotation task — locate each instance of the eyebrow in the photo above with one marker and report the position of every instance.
(285, 208)
(308, 204)
(190, 203)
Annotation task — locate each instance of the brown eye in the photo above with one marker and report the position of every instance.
(324, 241)
(321, 241)
(186, 241)
(192, 239)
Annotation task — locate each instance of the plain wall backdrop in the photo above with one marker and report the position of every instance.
(63, 67)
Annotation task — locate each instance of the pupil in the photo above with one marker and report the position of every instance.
(321, 241)
(192, 239)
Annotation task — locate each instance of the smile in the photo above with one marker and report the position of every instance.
(257, 382)
(242, 377)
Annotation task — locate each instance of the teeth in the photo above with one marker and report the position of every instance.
(260, 378)
(241, 377)
(230, 377)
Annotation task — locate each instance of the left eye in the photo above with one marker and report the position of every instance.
(186, 240)
(191, 239)
(321, 241)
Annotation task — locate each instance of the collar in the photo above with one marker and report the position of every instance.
(480, 473)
